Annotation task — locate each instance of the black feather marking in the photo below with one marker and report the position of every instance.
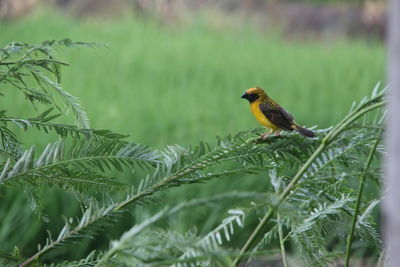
(252, 97)
(304, 131)
(277, 115)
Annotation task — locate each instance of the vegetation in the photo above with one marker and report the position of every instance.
(288, 195)
(201, 71)
(309, 206)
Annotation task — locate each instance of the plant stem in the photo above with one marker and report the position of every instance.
(196, 165)
(281, 242)
(339, 128)
(359, 195)
(281, 198)
(24, 61)
(8, 257)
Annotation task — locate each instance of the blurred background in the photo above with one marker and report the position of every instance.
(173, 71)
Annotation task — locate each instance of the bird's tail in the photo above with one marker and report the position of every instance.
(304, 131)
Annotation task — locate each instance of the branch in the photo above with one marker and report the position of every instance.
(171, 179)
(34, 61)
(359, 194)
(281, 242)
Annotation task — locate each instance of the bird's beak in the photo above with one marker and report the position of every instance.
(245, 95)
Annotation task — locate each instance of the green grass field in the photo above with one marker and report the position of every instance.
(182, 85)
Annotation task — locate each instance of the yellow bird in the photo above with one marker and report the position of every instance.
(270, 114)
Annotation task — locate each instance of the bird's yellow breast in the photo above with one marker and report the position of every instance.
(255, 109)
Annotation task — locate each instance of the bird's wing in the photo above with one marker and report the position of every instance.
(277, 115)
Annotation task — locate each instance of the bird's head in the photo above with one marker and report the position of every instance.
(252, 94)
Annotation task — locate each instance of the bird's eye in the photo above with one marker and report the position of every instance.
(252, 97)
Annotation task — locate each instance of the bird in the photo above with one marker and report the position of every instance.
(271, 114)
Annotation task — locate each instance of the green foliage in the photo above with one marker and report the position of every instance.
(199, 69)
(309, 205)
(23, 63)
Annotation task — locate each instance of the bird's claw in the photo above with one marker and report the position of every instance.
(264, 136)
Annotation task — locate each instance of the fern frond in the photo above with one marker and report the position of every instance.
(366, 226)
(63, 130)
(36, 201)
(38, 62)
(91, 259)
(96, 218)
(59, 159)
(322, 212)
(10, 147)
(214, 239)
(160, 248)
(69, 100)
(210, 242)
(180, 165)
(84, 227)
(265, 241)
